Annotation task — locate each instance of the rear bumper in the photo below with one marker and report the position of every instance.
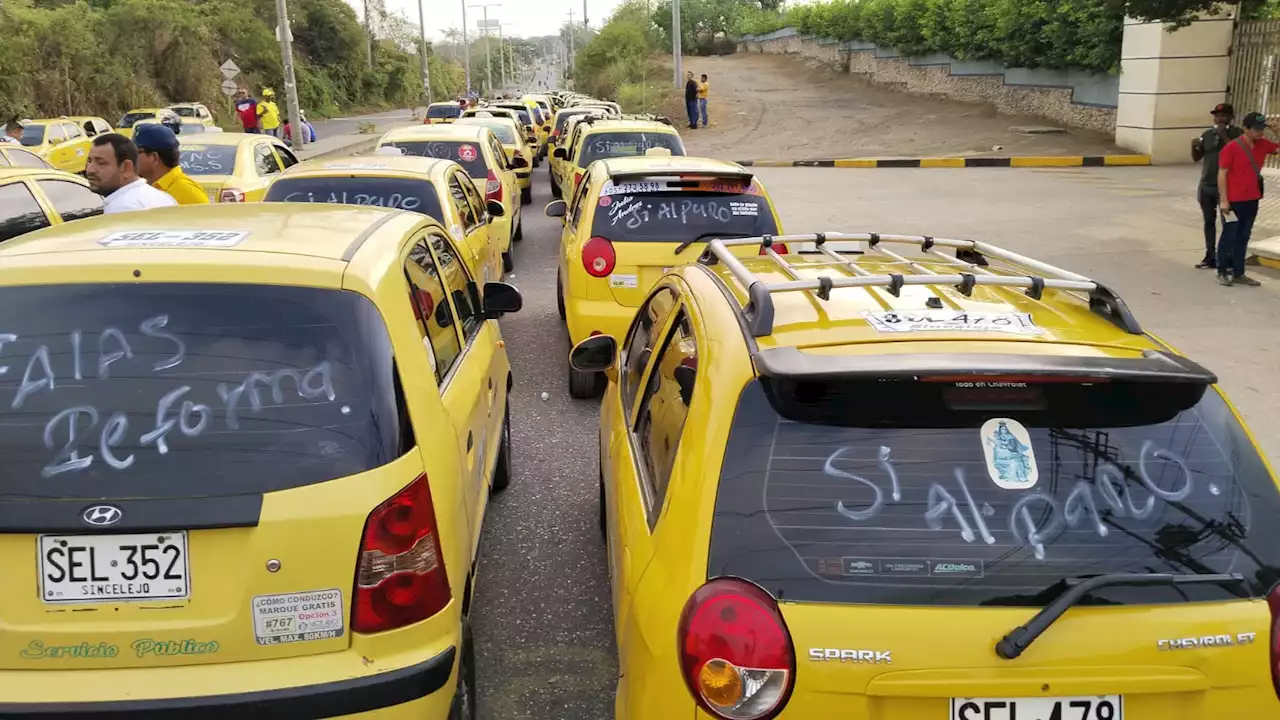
(604, 316)
(418, 684)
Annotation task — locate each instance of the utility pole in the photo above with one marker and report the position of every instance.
(422, 54)
(488, 46)
(502, 58)
(586, 24)
(368, 33)
(675, 40)
(285, 34)
(466, 47)
(572, 52)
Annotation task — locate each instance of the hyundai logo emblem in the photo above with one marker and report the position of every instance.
(102, 515)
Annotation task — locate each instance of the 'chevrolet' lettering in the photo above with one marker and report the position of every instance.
(868, 657)
(1207, 641)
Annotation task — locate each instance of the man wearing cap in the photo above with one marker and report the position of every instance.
(1205, 149)
(112, 173)
(269, 113)
(159, 163)
(1240, 187)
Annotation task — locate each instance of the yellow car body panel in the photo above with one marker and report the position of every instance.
(245, 176)
(658, 551)
(64, 144)
(202, 650)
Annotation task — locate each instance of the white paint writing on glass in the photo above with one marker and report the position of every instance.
(388, 200)
(886, 464)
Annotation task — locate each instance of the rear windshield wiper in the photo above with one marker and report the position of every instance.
(722, 236)
(1020, 638)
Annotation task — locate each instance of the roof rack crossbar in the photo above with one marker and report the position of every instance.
(1026, 273)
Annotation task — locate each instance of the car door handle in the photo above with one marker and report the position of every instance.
(470, 441)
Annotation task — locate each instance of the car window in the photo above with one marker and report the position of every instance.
(431, 308)
(415, 194)
(663, 410)
(465, 153)
(465, 294)
(4, 160)
(461, 203)
(265, 160)
(287, 158)
(641, 340)
(208, 159)
(72, 130)
(578, 201)
(131, 119)
(71, 201)
(19, 211)
(22, 158)
(444, 111)
(55, 132)
(649, 212)
(185, 111)
(478, 203)
(604, 145)
(499, 155)
(89, 129)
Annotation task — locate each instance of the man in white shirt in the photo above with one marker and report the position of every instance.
(12, 132)
(112, 171)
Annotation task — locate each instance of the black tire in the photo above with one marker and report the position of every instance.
(583, 385)
(560, 297)
(519, 231)
(464, 697)
(508, 264)
(555, 189)
(526, 196)
(604, 526)
(502, 473)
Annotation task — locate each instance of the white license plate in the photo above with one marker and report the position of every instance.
(111, 568)
(1098, 707)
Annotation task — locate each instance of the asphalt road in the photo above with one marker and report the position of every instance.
(542, 619)
(345, 125)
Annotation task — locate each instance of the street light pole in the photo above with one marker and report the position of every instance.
(298, 134)
(488, 46)
(422, 54)
(675, 40)
(466, 46)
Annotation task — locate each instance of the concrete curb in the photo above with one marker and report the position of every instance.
(963, 162)
(1266, 253)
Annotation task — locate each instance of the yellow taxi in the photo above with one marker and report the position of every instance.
(440, 189)
(613, 108)
(518, 151)
(234, 167)
(442, 113)
(92, 125)
(267, 493)
(131, 119)
(545, 114)
(14, 156)
(478, 151)
(194, 113)
(518, 114)
(632, 219)
(35, 198)
(566, 122)
(598, 138)
(61, 141)
(936, 480)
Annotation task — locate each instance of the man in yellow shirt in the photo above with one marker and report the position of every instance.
(159, 163)
(269, 113)
(704, 89)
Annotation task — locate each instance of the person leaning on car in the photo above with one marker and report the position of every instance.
(159, 162)
(1205, 149)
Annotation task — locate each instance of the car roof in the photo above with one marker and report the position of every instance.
(672, 163)
(146, 109)
(451, 131)
(480, 121)
(79, 118)
(222, 138)
(382, 165)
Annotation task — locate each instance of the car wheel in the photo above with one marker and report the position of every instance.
(604, 528)
(555, 189)
(519, 231)
(583, 385)
(560, 297)
(526, 196)
(464, 698)
(502, 473)
(508, 264)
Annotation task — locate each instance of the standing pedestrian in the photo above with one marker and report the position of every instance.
(1240, 187)
(112, 173)
(160, 164)
(691, 100)
(247, 109)
(12, 132)
(704, 89)
(269, 113)
(1205, 149)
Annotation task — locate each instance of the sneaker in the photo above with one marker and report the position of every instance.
(1207, 264)
(1225, 280)
(1246, 280)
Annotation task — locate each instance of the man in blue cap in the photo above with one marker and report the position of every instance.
(159, 162)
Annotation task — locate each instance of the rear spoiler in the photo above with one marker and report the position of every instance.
(656, 175)
(1155, 366)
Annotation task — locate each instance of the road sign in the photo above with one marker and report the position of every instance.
(229, 87)
(229, 69)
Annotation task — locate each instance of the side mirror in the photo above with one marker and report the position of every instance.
(501, 298)
(561, 154)
(519, 163)
(444, 318)
(556, 208)
(495, 208)
(685, 378)
(595, 354)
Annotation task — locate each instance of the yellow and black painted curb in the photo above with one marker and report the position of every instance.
(962, 162)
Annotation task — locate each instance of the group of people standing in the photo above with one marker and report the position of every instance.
(142, 173)
(695, 100)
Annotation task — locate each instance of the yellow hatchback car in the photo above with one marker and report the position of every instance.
(630, 221)
(234, 167)
(442, 113)
(265, 497)
(595, 138)
(935, 481)
(440, 189)
(31, 199)
(520, 155)
(60, 141)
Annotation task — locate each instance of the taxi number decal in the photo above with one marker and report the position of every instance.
(298, 617)
(632, 188)
(175, 238)
(952, 321)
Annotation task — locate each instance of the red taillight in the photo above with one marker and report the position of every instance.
(780, 248)
(735, 651)
(577, 179)
(231, 195)
(400, 578)
(493, 188)
(598, 257)
(1273, 600)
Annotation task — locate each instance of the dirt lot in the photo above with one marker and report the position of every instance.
(776, 107)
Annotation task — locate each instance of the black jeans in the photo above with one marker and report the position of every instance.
(1209, 208)
(1233, 248)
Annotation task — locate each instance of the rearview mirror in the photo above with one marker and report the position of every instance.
(595, 354)
(519, 163)
(501, 298)
(556, 208)
(561, 154)
(495, 208)
(685, 378)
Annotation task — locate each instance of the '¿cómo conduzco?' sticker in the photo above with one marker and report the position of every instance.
(298, 617)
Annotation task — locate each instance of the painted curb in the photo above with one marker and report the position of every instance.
(963, 162)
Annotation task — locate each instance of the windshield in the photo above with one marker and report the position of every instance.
(622, 214)
(466, 154)
(181, 390)
(604, 145)
(184, 112)
(989, 493)
(444, 111)
(208, 159)
(131, 119)
(400, 193)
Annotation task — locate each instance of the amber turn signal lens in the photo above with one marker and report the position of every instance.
(720, 683)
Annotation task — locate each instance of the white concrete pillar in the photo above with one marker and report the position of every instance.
(1169, 81)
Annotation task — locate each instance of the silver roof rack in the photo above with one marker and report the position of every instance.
(970, 261)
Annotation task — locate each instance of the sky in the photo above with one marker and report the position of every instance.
(524, 18)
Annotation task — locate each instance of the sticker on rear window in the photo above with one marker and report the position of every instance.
(1011, 461)
(951, 321)
(631, 188)
(467, 153)
(744, 208)
(298, 617)
(175, 238)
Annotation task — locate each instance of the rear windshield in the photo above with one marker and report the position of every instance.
(185, 111)
(505, 131)
(399, 193)
(564, 116)
(989, 493)
(191, 128)
(131, 119)
(444, 111)
(32, 135)
(208, 159)
(679, 215)
(605, 145)
(180, 390)
(466, 154)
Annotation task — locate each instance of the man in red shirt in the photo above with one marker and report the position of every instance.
(1240, 188)
(247, 110)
